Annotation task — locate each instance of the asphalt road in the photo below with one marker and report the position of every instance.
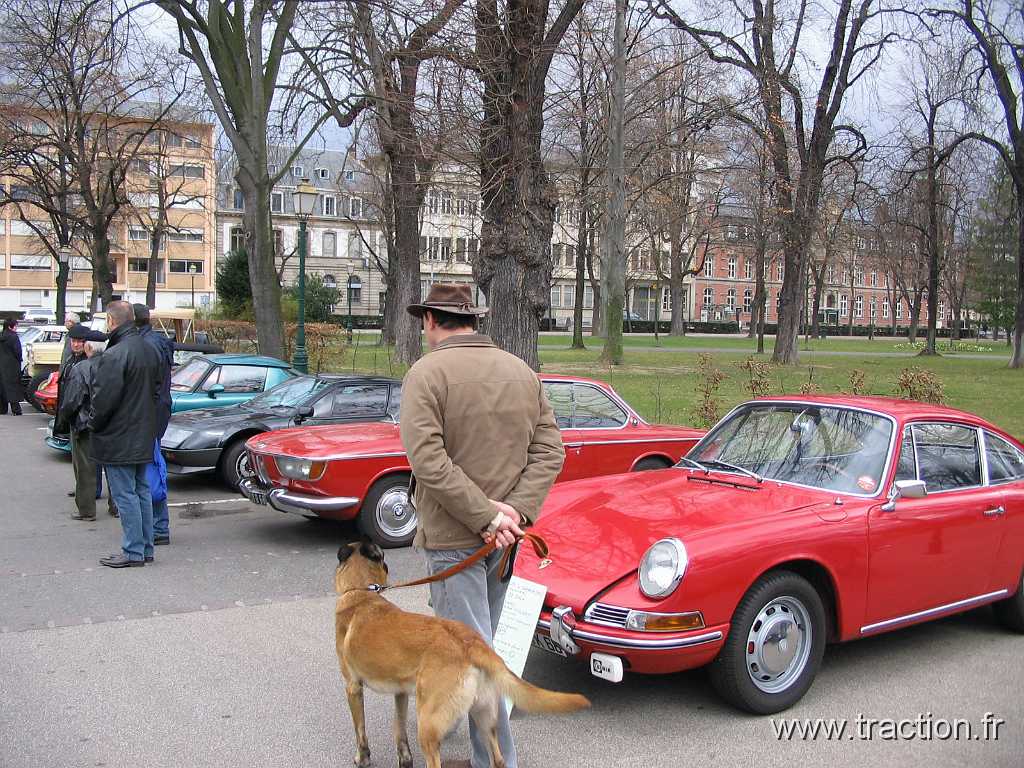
(221, 654)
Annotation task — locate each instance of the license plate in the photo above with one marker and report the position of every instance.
(545, 643)
(606, 666)
(258, 497)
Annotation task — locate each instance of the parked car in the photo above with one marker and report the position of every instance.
(793, 523)
(210, 382)
(361, 472)
(46, 336)
(207, 438)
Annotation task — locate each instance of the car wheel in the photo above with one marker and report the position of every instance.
(775, 645)
(1010, 611)
(386, 516)
(651, 462)
(234, 464)
(33, 385)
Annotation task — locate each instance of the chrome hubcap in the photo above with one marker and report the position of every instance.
(242, 466)
(394, 514)
(779, 644)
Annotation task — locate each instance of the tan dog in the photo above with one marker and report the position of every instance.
(449, 666)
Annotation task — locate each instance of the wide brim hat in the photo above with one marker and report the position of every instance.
(453, 298)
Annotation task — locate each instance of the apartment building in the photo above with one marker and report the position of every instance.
(174, 170)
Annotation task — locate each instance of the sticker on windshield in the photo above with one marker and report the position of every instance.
(866, 483)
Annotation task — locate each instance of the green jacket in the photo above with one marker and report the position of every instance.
(476, 426)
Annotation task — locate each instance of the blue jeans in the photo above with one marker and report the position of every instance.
(129, 487)
(161, 519)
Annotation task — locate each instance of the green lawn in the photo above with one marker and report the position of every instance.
(662, 385)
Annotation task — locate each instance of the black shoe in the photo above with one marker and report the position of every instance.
(158, 540)
(113, 512)
(71, 493)
(80, 517)
(121, 561)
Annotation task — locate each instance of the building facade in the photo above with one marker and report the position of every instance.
(173, 168)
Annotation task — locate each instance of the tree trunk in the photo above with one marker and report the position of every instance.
(933, 252)
(1017, 359)
(915, 317)
(613, 263)
(407, 194)
(787, 334)
(677, 325)
(819, 287)
(581, 276)
(103, 279)
(154, 254)
(266, 291)
(597, 313)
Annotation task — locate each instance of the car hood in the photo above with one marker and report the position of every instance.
(214, 418)
(598, 529)
(340, 441)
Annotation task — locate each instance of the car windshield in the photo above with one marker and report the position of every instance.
(837, 449)
(290, 393)
(187, 376)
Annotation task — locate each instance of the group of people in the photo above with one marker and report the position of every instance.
(114, 400)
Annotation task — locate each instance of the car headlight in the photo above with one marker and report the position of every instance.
(300, 469)
(662, 568)
(174, 436)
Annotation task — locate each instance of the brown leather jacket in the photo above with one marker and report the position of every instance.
(476, 426)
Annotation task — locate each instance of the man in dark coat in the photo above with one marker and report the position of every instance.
(165, 349)
(10, 368)
(73, 411)
(123, 426)
(76, 337)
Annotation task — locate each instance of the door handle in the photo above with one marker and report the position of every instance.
(997, 512)
(574, 445)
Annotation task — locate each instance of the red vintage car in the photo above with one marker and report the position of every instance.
(793, 523)
(360, 470)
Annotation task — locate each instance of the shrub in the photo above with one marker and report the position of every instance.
(759, 377)
(234, 291)
(707, 411)
(919, 384)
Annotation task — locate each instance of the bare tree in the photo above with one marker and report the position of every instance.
(765, 39)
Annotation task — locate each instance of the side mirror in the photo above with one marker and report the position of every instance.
(215, 390)
(905, 489)
(304, 413)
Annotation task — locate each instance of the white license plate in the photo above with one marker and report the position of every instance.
(545, 643)
(258, 497)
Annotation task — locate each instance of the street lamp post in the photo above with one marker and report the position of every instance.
(192, 275)
(304, 196)
(63, 261)
(348, 320)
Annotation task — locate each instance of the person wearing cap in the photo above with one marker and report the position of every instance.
(73, 411)
(484, 449)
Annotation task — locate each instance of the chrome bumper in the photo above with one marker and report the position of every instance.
(295, 503)
(566, 629)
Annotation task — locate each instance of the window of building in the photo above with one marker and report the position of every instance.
(748, 269)
(858, 275)
(30, 261)
(666, 299)
(187, 235)
(330, 281)
(885, 308)
(188, 171)
(874, 308)
(709, 297)
(321, 173)
(732, 266)
(709, 266)
(447, 202)
(858, 306)
(276, 202)
(31, 298)
(874, 279)
(355, 247)
(732, 232)
(137, 233)
(349, 175)
(569, 296)
(556, 296)
(272, 169)
(139, 165)
(899, 309)
(355, 207)
(355, 289)
(237, 239)
(298, 171)
(330, 244)
(186, 267)
(780, 270)
(239, 200)
(142, 266)
(465, 249)
(191, 141)
(172, 139)
(730, 298)
(844, 305)
(330, 205)
(748, 301)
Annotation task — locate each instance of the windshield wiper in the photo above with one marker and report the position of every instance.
(734, 468)
(694, 463)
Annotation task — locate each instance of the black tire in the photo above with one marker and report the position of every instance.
(778, 602)
(380, 518)
(233, 463)
(34, 384)
(651, 462)
(1010, 611)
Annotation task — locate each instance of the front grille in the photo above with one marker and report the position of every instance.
(608, 615)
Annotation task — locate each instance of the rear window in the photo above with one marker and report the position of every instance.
(947, 456)
(1005, 463)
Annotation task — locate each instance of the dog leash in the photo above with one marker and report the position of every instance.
(540, 547)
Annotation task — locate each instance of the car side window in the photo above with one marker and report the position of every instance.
(906, 469)
(593, 409)
(947, 456)
(1005, 463)
(560, 397)
(395, 401)
(358, 400)
(237, 378)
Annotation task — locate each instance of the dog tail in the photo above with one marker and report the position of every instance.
(524, 695)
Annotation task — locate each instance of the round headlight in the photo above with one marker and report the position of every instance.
(662, 568)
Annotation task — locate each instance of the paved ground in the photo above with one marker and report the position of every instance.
(221, 654)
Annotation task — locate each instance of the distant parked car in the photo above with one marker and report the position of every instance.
(206, 439)
(216, 381)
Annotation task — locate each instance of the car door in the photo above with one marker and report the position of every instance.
(350, 403)
(559, 394)
(930, 552)
(241, 383)
(602, 424)
(1004, 463)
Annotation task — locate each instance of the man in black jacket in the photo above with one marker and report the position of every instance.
(73, 412)
(124, 423)
(10, 368)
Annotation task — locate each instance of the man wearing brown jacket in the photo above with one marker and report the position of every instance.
(484, 449)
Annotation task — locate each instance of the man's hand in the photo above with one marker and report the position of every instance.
(508, 511)
(508, 529)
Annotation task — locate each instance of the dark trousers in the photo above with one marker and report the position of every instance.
(85, 474)
(10, 395)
